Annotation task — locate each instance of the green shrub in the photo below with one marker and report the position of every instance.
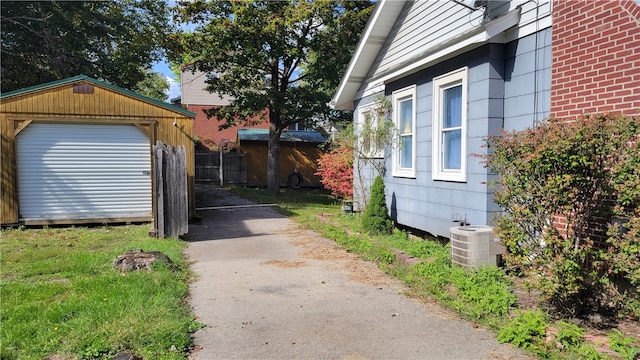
(586, 173)
(375, 219)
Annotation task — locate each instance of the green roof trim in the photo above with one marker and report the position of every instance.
(103, 84)
(287, 136)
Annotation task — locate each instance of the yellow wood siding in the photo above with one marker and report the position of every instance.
(9, 191)
(294, 157)
(105, 105)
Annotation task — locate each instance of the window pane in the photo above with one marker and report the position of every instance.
(406, 152)
(379, 140)
(452, 149)
(366, 133)
(452, 111)
(406, 114)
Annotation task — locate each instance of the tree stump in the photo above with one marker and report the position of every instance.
(139, 260)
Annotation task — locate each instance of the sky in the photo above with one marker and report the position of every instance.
(162, 67)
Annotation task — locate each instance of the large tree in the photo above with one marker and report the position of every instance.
(279, 60)
(154, 85)
(115, 41)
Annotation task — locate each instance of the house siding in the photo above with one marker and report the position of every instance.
(193, 90)
(508, 87)
(435, 21)
(527, 80)
(424, 27)
(495, 99)
(431, 205)
(596, 57)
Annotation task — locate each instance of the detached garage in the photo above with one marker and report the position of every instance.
(79, 151)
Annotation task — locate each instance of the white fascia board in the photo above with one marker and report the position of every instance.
(374, 36)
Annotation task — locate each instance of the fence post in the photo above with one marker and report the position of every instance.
(221, 169)
(172, 210)
(159, 218)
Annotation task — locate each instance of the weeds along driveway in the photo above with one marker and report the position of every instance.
(268, 289)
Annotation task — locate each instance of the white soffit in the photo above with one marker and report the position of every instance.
(375, 34)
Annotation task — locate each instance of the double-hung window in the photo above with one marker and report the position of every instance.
(404, 117)
(370, 126)
(450, 126)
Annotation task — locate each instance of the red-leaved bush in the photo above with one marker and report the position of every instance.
(335, 169)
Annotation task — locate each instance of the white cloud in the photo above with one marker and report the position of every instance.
(174, 88)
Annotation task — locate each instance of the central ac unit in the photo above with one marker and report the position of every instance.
(474, 246)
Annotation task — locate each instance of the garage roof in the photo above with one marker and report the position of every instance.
(84, 78)
(288, 136)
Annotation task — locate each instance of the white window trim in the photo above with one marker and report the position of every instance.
(441, 83)
(397, 96)
(362, 111)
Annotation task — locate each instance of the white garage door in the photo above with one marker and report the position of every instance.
(83, 171)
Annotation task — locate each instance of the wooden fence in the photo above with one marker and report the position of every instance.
(172, 201)
(234, 168)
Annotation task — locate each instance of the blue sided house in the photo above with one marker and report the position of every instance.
(452, 73)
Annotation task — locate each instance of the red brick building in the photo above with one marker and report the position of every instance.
(196, 99)
(596, 57)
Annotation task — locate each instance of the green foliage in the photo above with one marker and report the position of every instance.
(487, 288)
(279, 60)
(626, 346)
(527, 330)
(154, 86)
(586, 172)
(569, 335)
(113, 41)
(61, 295)
(375, 219)
(367, 140)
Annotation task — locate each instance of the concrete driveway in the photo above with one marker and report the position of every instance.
(268, 289)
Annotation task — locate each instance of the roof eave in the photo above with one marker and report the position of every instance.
(373, 37)
(93, 81)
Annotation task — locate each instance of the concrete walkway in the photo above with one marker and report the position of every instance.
(267, 289)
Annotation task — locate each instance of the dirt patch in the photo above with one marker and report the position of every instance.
(317, 248)
(527, 298)
(285, 264)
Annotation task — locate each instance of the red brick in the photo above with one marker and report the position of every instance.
(583, 94)
(624, 92)
(607, 82)
(634, 98)
(206, 129)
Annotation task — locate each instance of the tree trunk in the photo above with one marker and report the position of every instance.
(273, 156)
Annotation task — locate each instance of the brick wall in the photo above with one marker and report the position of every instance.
(207, 130)
(596, 57)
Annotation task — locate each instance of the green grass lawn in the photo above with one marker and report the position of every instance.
(61, 297)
